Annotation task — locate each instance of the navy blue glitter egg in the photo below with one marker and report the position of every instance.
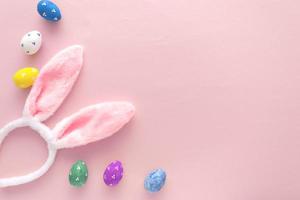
(155, 180)
(49, 10)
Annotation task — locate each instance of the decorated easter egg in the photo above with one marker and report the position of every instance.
(155, 180)
(31, 42)
(25, 77)
(113, 173)
(78, 174)
(49, 10)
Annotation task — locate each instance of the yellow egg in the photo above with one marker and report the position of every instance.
(25, 77)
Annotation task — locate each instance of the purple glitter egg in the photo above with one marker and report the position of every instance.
(113, 173)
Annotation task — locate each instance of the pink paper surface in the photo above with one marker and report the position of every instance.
(215, 83)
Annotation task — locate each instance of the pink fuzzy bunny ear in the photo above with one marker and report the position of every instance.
(54, 83)
(93, 123)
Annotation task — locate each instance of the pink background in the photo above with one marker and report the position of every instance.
(216, 85)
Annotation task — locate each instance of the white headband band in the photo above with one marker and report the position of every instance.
(90, 124)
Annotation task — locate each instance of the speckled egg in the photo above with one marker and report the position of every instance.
(31, 42)
(155, 180)
(49, 10)
(113, 173)
(78, 174)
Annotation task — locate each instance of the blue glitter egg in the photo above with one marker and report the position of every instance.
(155, 180)
(49, 10)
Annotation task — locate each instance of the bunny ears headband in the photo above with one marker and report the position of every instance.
(90, 124)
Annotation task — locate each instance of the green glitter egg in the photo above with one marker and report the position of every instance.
(78, 174)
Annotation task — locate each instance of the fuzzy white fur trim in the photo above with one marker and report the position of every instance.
(45, 133)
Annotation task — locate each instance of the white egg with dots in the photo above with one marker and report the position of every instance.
(31, 42)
